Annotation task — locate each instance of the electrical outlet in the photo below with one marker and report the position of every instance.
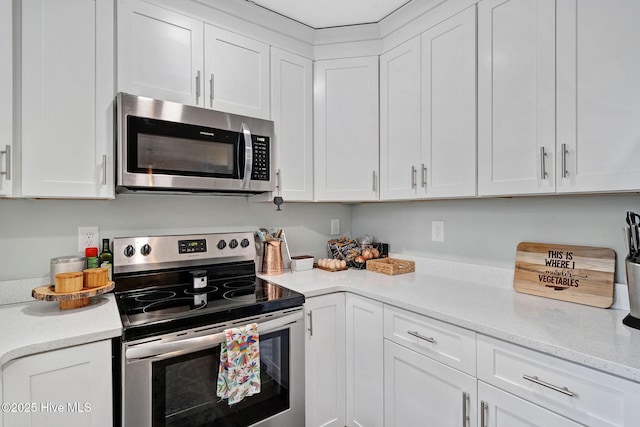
(437, 231)
(88, 237)
(335, 227)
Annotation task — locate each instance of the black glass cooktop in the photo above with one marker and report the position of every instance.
(161, 309)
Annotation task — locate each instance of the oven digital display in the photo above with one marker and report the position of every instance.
(191, 246)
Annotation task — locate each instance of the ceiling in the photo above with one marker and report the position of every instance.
(332, 13)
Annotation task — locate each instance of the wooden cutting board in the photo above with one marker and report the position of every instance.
(580, 274)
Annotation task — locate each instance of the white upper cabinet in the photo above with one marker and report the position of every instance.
(428, 113)
(516, 97)
(448, 166)
(292, 114)
(166, 55)
(6, 99)
(400, 121)
(346, 129)
(236, 73)
(160, 53)
(66, 97)
(598, 95)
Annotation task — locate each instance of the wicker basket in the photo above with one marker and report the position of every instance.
(391, 266)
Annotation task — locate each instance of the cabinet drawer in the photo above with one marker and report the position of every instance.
(448, 344)
(583, 394)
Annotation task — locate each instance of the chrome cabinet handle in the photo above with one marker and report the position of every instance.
(198, 86)
(563, 390)
(563, 149)
(413, 177)
(424, 176)
(278, 181)
(543, 164)
(483, 410)
(211, 90)
(422, 337)
(374, 181)
(465, 413)
(310, 328)
(7, 162)
(104, 169)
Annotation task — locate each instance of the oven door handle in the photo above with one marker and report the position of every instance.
(193, 344)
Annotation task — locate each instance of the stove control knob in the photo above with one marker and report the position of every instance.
(233, 244)
(222, 244)
(244, 243)
(129, 251)
(145, 249)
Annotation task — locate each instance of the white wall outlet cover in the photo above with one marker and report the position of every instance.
(88, 237)
(437, 231)
(335, 227)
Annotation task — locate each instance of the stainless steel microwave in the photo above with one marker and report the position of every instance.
(168, 147)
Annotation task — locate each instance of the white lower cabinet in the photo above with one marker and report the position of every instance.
(364, 363)
(343, 361)
(324, 361)
(582, 394)
(420, 391)
(68, 387)
(501, 409)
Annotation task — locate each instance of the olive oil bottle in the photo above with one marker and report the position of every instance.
(106, 258)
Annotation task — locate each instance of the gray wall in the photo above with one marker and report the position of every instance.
(478, 231)
(34, 231)
(487, 231)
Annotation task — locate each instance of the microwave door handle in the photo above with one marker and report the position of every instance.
(158, 348)
(248, 156)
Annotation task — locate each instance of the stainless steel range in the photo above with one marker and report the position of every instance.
(176, 296)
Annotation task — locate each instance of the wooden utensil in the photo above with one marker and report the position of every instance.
(580, 274)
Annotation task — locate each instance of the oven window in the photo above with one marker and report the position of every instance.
(158, 146)
(184, 388)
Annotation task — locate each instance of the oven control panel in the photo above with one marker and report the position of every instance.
(192, 246)
(157, 252)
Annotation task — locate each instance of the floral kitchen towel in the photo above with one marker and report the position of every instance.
(239, 372)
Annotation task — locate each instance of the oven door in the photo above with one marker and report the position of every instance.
(172, 382)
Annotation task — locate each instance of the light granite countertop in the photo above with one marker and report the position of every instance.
(478, 298)
(38, 326)
(591, 336)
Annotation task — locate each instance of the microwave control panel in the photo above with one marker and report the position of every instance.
(261, 165)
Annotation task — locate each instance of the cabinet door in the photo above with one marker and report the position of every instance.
(70, 387)
(325, 361)
(516, 96)
(346, 129)
(598, 95)
(419, 391)
(501, 409)
(67, 98)
(364, 365)
(236, 73)
(6, 98)
(400, 121)
(448, 166)
(160, 53)
(292, 114)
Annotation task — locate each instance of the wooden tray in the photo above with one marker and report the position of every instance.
(69, 300)
(391, 266)
(580, 274)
